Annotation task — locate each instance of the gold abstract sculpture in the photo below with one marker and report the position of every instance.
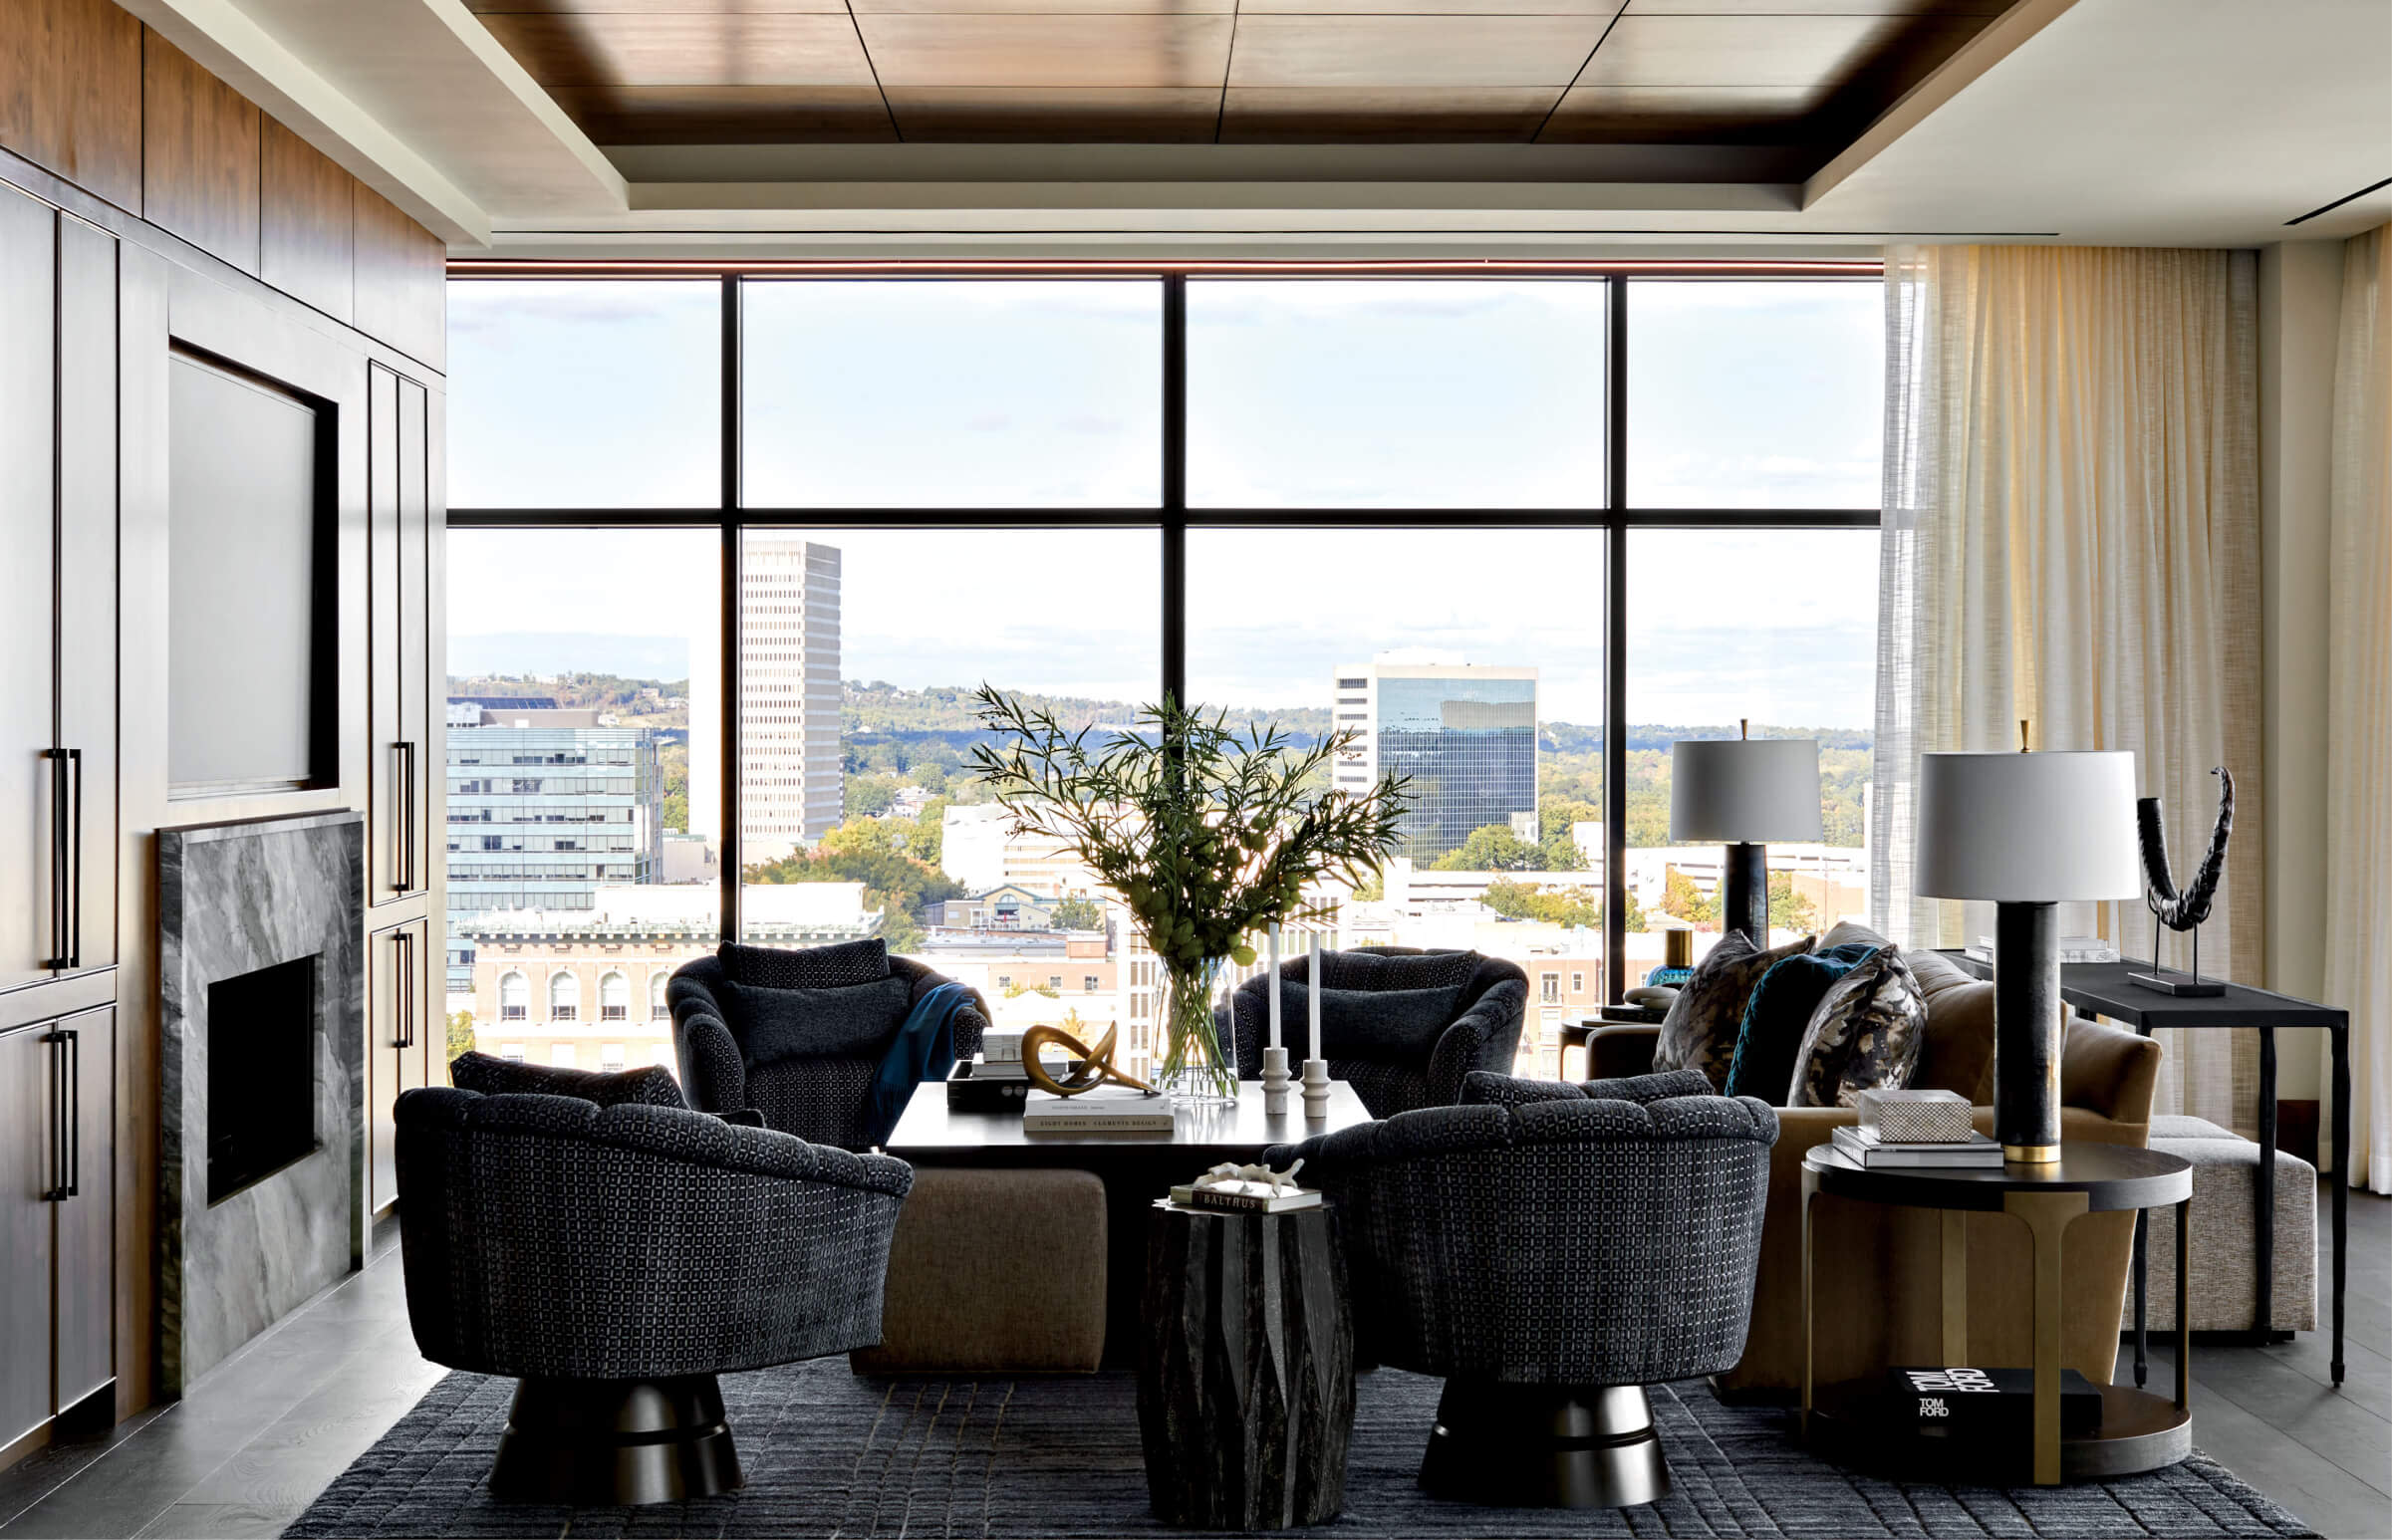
(1090, 1067)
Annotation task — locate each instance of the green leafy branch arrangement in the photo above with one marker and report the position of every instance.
(1209, 835)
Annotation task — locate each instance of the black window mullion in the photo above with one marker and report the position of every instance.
(1615, 651)
(728, 515)
(1174, 489)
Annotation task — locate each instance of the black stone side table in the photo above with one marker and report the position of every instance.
(1245, 1378)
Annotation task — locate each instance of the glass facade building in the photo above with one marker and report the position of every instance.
(544, 806)
(1465, 736)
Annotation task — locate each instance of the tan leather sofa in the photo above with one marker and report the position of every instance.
(1879, 1273)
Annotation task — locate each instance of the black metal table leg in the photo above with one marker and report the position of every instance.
(2263, 1200)
(2142, 1283)
(2341, 1043)
(2184, 1311)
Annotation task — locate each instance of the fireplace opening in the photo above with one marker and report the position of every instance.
(261, 1074)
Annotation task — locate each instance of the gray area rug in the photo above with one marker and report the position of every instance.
(828, 1454)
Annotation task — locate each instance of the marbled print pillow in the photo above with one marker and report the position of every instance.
(1865, 1034)
(1701, 1029)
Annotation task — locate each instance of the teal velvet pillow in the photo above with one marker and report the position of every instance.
(1778, 1015)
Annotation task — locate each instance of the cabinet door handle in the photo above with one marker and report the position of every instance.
(74, 1055)
(402, 823)
(60, 951)
(56, 1191)
(403, 949)
(74, 895)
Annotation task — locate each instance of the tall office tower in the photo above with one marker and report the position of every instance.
(1464, 734)
(544, 806)
(790, 787)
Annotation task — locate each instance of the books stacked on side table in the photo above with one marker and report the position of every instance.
(1247, 1190)
(992, 1080)
(1975, 1402)
(1107, 1109)
(1917, 1128)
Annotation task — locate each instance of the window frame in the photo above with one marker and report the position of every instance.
(1173, 518)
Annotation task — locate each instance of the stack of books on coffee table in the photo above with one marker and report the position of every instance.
(1107, 1109)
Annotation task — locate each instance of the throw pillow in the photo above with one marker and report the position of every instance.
(1400, 1024)
(1778, 1014)
(855, 1022)
(1865, 1034)
(1701, 1029)
(1448, 969)
(652, 1085)
(810, 967)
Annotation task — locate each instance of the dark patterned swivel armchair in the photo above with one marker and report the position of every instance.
(1402, 1024)
(798, 1035)
(616, 1259)
(1550, 1250)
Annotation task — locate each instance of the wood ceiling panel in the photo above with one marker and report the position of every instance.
(728, 114)
(1056, 116)
(1605, 9)
(677, 49)
(1715, 51)
(657, 7)
(1384, 114)
(1432, 51)
(1099, 51)
(1046, 7)
(1684, 114)
(1986, 8)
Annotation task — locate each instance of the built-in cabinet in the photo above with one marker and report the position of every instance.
(405, 1031)
(400, 435)
(57, 1218)
(57, 594)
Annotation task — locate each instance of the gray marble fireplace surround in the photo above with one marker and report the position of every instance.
(233, 899)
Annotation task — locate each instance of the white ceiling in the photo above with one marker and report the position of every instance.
(2104, 122)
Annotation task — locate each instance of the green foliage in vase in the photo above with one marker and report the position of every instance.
(1207, 832)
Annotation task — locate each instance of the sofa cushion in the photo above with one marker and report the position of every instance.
(652, 1085)
(1778, 1014)
(1701, 1029)
(808, 968)
(852, 1022)
(1957, 1053)
(1865, 1034)
(1486, 1087)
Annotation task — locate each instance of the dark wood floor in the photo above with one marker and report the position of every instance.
(255, 1439)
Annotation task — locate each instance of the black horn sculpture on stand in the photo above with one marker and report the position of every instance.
(2182, 910)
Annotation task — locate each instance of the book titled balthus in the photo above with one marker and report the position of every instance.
(1105, 1110)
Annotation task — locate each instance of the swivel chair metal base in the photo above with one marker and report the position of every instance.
(615, 1442)
(1544, 1446)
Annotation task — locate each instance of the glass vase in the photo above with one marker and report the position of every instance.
(1196, 1068)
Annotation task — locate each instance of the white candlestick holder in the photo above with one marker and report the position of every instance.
(1274, 1082)
(1317, 1089)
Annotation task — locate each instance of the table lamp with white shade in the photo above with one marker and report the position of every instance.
(1744, 793)
(2027, 832)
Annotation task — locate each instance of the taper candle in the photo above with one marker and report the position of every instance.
(1274, 983)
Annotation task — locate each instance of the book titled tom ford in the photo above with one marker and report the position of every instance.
(1970, 1401)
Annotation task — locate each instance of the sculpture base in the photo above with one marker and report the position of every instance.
(2178, 984)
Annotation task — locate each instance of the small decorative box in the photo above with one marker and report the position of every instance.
(1916, 1117)
(1001, 1045)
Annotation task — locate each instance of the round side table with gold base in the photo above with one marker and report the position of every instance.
(2139, 1431)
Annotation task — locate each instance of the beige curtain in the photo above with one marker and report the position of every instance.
(2358, 784)
(2072, 538)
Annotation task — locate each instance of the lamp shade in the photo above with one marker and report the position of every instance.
(2027, 828)
(1744, 791)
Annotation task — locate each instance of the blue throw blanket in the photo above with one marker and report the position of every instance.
(924, 1050)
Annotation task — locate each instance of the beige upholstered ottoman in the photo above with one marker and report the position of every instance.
(2225, 1282)
(995, 1272)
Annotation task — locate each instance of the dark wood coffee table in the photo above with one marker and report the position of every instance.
(1137, 1169)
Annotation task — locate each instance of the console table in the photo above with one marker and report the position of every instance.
(2103, 989)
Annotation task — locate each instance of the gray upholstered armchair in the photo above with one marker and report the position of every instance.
(799, 1035)
(1402, 1024)
(1550, 1250)
(616, 1259)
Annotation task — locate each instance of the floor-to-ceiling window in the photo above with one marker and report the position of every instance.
(1512, 534)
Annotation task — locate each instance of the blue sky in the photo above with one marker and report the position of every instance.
(1335, 396)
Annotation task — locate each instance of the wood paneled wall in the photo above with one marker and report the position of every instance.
(88, 92)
